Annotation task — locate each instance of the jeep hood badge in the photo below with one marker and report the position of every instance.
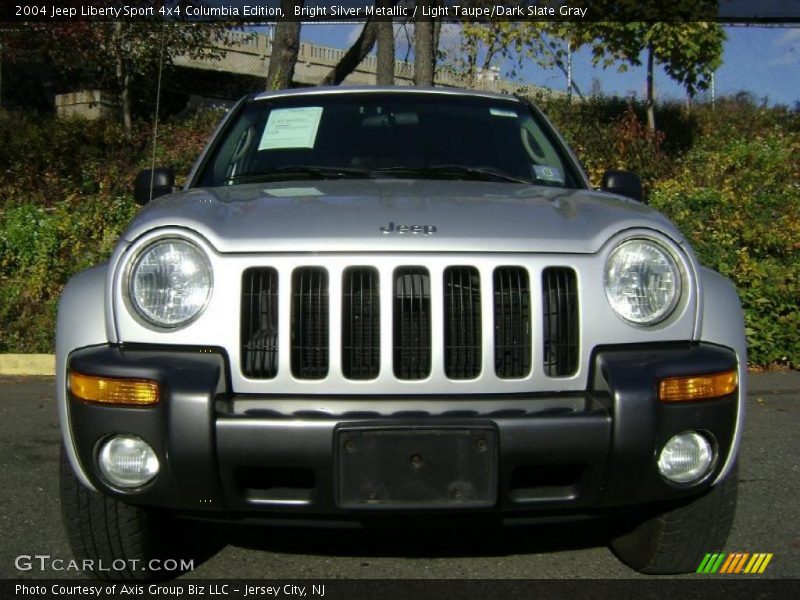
(412, 229)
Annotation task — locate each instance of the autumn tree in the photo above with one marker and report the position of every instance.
(112, 55)
(135, 49)
(688, 52)
(483, 43)
(688, 47)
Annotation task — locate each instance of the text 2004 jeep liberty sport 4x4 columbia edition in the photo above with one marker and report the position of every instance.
(373, 303)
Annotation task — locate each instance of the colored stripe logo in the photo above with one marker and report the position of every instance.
(734, 563)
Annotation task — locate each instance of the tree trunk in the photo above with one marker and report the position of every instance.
(471, 51)
(1, 74)
(486, 69)
(650, 99)
(424, 58)
(385, 70)
(125, 100)
(437, 31)
(123, 81)
(355, 54)
(566, 70)
(285, 47)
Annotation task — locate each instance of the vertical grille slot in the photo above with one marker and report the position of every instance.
(412, 323)
(560, 313)
(512, 323)
(361, 323)
(310, 323)
(462, 322)
(259, 323)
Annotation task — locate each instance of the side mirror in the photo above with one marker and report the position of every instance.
(624, 183)
(163, 181)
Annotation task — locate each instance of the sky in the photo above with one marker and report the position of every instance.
(764, 61)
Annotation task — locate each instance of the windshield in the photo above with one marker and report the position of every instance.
(386, 135)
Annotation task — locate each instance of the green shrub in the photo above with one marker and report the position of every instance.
(610, 133)
(737, 199)
(40, 248)
(64, 200)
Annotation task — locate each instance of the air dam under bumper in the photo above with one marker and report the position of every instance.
(300, 457)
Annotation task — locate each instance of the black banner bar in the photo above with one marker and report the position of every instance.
(734, 587)
(270, 11)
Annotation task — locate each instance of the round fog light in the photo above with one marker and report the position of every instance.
(127, 461)
(686, 457)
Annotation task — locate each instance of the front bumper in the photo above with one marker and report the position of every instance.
(231, 456)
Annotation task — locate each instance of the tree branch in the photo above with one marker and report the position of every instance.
(354, 55)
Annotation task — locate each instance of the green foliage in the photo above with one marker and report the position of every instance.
(608, 133)
(97, 53)
(738, 201)
(65, 197)
(40, 248)
(47, 159)
(689, 49)
(118, 56)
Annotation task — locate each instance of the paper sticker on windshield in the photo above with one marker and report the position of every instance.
(502, 112)
(294, 192)
(546, 173)
(291, 128)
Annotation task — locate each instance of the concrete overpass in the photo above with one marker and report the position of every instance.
(248, 54)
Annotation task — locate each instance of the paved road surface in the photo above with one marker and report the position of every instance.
(768, 518)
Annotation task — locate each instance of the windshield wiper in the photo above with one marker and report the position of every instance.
(292, 172)
(452, 171)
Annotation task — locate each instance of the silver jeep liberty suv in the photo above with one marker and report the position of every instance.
(376, 303)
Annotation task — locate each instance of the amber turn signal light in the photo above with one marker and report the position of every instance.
(105, 390)
(697, 387)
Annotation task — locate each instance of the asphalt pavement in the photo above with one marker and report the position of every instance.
(767, 519)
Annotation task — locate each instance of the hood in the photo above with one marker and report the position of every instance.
(399, 215)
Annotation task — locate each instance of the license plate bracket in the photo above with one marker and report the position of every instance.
(417, 467)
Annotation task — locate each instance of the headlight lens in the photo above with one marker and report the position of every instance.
(643, 283)
(170, 283)
(686, 457)
(128, 461)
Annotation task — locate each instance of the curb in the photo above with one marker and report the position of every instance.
(27, 364)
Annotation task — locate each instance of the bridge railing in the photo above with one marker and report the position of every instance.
(248, 53)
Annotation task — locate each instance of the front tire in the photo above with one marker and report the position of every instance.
(675, 540)
(125, 542)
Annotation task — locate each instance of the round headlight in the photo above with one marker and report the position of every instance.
(643, 283)
(170, 283)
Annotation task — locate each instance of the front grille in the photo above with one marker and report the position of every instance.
(259, 323)
(361, 323)
(512, 323)
(462, 322)
(560, 314)
(310, 323)
(443, 323)
(412, 323)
